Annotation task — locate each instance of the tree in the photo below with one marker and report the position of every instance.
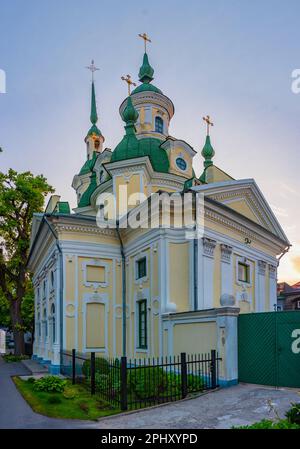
(21, 194)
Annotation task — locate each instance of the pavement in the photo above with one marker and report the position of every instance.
(235, 406)
(15, 413)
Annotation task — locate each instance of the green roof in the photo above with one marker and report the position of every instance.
(63, 207)
(130, 148)
(88, 165)
(144, 87)
(208, 152)
(85, 200)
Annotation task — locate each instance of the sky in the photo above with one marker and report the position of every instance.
(231, 59)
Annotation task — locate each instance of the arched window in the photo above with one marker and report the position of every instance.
(45, 322)
(159, 125)
(52, 279)
(39, 324)
(101, 176)
(53, 322)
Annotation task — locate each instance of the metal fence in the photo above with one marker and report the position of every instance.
(132, 384)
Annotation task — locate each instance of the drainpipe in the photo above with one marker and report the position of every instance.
(123, 292)
(60, 282)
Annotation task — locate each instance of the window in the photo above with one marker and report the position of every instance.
(181, 164)
(101, 176)
(44, 289)
(142, 324)
(298, 304)
(243, 272)
(159, 125)
(141, 268)
(45, 322)
(52, 279)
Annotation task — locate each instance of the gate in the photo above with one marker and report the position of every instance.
(269, 348)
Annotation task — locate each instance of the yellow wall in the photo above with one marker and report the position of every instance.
(194, 338)
(179, 268)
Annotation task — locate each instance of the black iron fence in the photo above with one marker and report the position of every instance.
(131, 383)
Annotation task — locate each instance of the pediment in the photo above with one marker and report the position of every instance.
(245, 197)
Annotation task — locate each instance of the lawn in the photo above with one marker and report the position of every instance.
(76, 404)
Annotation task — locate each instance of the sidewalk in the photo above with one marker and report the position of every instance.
(15, 413)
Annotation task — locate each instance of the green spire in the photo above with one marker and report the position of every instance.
(146, 71)
(93, 116)
(208, 153)
(130, 116)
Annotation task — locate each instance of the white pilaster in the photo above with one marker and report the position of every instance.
(208, 272)
(261, 290)
(272, 287)
(226, 270)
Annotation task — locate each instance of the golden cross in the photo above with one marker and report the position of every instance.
(129, 82)
(146, 39)
(208, 123)
(92, 68)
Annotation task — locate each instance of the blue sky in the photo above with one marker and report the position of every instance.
(231, 59)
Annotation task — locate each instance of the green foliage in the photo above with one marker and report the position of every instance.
(153, 382)
(21, 194)
(31, 380)
(269, 424)
(101, 366)
(54, 400)
(109, 383)
(293, 414)
(84, 407)
(50, 384)
(69, 392)
(14, 358)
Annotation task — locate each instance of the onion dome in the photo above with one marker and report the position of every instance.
(208, 153)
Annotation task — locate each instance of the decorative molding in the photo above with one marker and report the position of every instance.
(209, 246)
(226, 253)
(262, 267)
(95, 263)
(84, 229)
(272, 271)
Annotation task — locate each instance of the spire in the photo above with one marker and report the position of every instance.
(93, 116)
(208, 152)
(146, 71)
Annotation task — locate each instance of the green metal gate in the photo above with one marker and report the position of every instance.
(269, 348)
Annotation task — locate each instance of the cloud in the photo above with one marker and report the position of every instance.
(296, 263)
(279, 211)
(289, 189)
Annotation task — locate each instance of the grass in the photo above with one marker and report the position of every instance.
(9, 358)
(78, 403)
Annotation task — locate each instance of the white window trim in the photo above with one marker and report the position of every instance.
(136, 260)
(95, 299)
(247, 262)
(181, 156)
(95, 263)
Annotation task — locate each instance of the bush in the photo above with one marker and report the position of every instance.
(69, 393)
(31, 380)
(293, 415)
(153, 382)
(269, 424)
(101, 367)
(108, 383)
(50, 384)
(54, 400)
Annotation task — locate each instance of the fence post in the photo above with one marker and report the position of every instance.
(213, 369)
(184, 385)
(123, 383)
(93, 389)
(73, 366)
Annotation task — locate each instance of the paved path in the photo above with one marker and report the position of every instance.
(15, 413)
(222, 409)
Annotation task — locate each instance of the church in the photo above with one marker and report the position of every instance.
(149, 291)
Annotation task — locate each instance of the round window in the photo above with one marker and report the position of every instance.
(180, 162)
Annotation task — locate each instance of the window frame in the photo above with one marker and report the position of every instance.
(142, 340)
(138, 262)
(247, 271)
(159, 125)
(181, 159)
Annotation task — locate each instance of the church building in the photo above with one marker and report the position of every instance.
(144, 291)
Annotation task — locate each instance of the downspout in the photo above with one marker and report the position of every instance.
(60, 283)
(123, 292)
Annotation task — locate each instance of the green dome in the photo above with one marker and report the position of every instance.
(94, 130)
(208, 152)
(146, 87)
(146, 71)
(132, 148)
(130, 114)
(85, 200)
